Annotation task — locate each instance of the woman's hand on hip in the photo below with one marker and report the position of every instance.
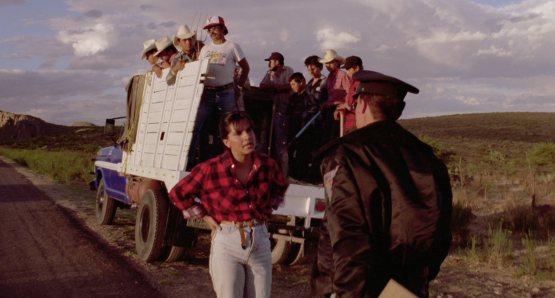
(213, 224)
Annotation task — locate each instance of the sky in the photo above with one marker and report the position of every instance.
(69, 61)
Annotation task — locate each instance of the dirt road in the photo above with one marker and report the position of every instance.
(46, 253)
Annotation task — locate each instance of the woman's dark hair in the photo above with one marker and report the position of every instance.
(313, 60)
(230, 119)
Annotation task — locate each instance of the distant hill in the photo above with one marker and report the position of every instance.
(18, 127)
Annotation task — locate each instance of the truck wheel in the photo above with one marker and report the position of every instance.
(296, 256)
(280, 249)
(150, 225)
(105, 206)
(175, 253)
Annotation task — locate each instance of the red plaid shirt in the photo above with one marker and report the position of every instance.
(338, 84)
(223, 196)
(350, 119)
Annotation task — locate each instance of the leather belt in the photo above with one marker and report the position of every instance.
(218, 88)
(240, 225)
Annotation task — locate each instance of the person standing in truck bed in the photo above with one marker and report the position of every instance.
(186, 42)
(238, 191)
(219, 94)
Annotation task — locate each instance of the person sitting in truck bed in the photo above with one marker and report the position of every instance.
(166, 51)
(186, 42)
(238, 191)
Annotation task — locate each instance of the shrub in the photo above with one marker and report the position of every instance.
(444, 154)
(543, 154)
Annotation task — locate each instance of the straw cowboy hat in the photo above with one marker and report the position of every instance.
(162, 44)
(149, 45)
(330, 56)
(183, 33)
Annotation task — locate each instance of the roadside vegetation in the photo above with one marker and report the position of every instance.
(65, 157)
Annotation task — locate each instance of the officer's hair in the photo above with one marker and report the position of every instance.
(232, 119)
(383, 105)
(298, 77)
(313, 60)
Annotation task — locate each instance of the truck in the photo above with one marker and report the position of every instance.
(151, 156)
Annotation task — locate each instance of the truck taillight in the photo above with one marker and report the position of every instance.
(320, 205)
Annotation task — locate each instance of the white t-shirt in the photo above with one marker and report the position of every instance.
(223, 58)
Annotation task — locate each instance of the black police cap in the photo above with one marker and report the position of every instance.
(377, 83)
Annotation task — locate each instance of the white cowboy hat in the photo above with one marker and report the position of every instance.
(183, 33)
(148, 45)
(330, 56)
(162, 44)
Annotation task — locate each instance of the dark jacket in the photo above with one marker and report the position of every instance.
(388, 211)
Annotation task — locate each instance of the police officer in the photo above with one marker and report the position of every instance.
(388, 201)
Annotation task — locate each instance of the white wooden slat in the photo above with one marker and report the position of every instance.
(169, 161)
(185, 92)
(158, 97)
(182, 104)
(172, 149)
(175, 138)
(177, 127)
(155, 117)
(147, 159)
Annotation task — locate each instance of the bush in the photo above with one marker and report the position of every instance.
(66, 166)
(444, 154)
(543, 154)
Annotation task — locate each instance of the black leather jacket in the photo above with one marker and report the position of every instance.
(388, 212)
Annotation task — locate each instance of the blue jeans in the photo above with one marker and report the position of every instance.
(280, 123)
(238, 272)
(212, 101)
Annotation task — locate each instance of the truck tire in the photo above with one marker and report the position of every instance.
(280, 249)
(296, 255)
(105, 206)
(150, 225)
(175, 253)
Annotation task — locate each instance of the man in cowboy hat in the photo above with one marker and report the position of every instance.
(166, 51)
(186, 42)
(148, 53)
(219, 94)
(337, 85)
(388, 201)
(276, 81)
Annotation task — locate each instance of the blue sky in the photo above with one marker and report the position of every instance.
(67, 61)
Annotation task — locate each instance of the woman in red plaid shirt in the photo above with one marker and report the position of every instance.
(238, 191)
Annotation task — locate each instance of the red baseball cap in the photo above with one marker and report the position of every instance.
(214, 21)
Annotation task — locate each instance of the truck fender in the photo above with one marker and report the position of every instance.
(135, 189)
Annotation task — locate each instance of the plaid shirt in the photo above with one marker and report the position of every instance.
(338, 84)
(172, 76)
(350, 119)
(223, 196)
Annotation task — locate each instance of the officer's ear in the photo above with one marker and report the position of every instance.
(226, 143)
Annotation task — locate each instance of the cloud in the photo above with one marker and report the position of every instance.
(4, 3)
(87, 41)
(93, 14)
(328, 39)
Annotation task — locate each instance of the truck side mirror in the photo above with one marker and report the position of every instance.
(110, 128)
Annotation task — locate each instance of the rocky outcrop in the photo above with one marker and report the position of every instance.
(17, 127)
